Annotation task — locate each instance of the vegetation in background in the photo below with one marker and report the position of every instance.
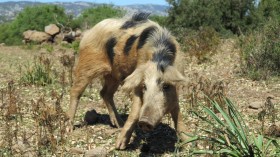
(161, 20)
(235, 16)
(229, 15)
(92, 16)
(32, 18)
(37, 17)
(269, 9)
(202, 44)
(260, 52)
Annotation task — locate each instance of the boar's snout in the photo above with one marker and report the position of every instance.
(145, 125)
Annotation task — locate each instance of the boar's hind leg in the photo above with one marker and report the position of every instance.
(107, 93)
(83, 76)
(76, 91)
(130, 123)
(178, 123)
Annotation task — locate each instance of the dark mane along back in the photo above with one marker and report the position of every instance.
(136, 19)
(165, 49)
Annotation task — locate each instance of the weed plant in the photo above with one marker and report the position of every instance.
(227, 134)
(39, 72)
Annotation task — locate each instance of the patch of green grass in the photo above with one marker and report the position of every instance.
(228, 134)
(74, 45)
(39, 72)
(48, 47)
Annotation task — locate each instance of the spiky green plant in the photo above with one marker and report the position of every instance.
(229, 135)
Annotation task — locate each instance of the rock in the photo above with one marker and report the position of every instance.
(96, 152)
(64, 42)
(36, 36)
(2, 44)
(256, 105)
(91, 117)
(52, 29)
(76, 151)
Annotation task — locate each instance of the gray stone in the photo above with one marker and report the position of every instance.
(52, 29)
(96, 152)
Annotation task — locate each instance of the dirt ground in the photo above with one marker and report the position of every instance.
(223, 66)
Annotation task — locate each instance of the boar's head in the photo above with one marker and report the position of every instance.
(158, 92)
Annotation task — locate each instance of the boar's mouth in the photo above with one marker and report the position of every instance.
(146, 124)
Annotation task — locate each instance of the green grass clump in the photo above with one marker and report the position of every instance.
(39, 72)
(228, 134)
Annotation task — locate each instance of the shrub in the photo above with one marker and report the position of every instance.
(260, 52)
(161, 20)
(202, 44)
(92, 16)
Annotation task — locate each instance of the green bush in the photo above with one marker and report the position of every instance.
(260, 52)
(92, 16)
(161, 20)
(236, 16)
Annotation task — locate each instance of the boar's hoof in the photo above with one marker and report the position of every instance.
(69, 127)
(116, 121)
(145, 126)
(121, 143)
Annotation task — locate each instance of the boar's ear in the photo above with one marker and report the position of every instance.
(172, 75)
(134, 79)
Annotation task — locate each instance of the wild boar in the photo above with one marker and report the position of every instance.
(139, 54)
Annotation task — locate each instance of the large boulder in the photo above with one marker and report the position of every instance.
(36, 36)
(52, 29)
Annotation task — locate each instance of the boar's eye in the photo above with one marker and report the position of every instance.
(166, 87)
(144, 87)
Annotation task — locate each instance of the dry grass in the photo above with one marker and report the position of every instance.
(32, 117)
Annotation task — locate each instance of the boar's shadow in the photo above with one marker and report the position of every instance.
(92, 118)
(161, 140)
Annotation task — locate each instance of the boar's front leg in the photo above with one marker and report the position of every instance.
(178, 122)
(126, 132)
(107, 93)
